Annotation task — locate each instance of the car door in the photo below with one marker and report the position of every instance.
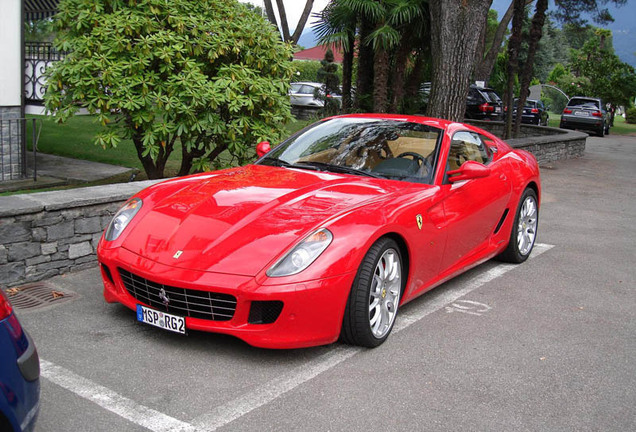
(472, 208)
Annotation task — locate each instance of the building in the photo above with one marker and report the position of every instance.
(12, 82)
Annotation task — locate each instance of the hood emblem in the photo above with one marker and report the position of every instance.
(177, 254)
(419, 221)
(164, 297)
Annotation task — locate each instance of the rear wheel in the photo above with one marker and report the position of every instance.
(524, 230)
(601, 131)
(375, 295)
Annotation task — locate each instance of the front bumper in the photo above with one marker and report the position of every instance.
(311, 314)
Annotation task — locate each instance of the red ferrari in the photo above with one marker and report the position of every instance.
(325, 236)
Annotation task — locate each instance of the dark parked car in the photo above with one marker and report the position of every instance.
(19, 373)
(483, 104)
(534, 112)
(586, 113)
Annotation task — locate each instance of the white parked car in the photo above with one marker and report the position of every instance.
(303, 94)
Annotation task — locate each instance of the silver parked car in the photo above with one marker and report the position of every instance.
(586, 113)
(304, 94)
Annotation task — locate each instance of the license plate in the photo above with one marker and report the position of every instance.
(498, 109)
(582, 113)
(160, 319)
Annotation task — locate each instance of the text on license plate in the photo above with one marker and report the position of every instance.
(161, 319)
(582, 113)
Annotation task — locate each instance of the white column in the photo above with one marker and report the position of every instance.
(10, 49)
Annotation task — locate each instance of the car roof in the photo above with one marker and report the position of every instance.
(315, 84)
(591, 99)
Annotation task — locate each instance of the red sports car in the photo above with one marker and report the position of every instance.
(325, 236)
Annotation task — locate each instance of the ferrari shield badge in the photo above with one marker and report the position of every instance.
(177, 254)
(418, 219)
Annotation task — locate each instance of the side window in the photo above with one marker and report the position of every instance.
(467, 146)
(307, 89)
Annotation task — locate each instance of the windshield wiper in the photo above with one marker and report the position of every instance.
(340, 169)
(282, 163)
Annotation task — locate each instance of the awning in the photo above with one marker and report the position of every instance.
(35, 10)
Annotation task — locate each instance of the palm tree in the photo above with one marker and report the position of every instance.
(389, 32)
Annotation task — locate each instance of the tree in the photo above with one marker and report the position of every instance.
(603, 74)
(284, 25)
(536, 31)
(514, 46)
(206, 75)
(455, 32)
(336, 26)
(328, 75)
(389, 36)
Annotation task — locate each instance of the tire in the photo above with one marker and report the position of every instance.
(601, 131)
(524, 229)
(375, 296)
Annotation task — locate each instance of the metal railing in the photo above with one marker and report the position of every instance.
(37, 57)
(14, 134)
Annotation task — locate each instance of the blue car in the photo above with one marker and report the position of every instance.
(19, 373)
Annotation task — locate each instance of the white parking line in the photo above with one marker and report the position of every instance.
(272, 390)
(108, 399)
(268, 392)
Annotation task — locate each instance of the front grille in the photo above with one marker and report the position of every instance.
(184, 302)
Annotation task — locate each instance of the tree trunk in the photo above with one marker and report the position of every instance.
(303, 20)
(381, 81)
(269, 10)
(536, 32)
(484, 65)
(399, 74)
(414, 80)
(514, 45)
(454, 39)
(283, 19)
(347, 74)
(364, 84)
(284, 25)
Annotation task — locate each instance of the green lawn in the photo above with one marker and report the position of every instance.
(75, 139)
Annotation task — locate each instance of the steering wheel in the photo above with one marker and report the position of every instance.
(421, 160)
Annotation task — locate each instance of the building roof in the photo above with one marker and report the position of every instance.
(318, 53)
(39, 9)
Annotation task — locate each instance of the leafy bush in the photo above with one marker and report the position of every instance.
(630, 115)
(208, 74)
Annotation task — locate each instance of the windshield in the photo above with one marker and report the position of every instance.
(374, 147)
(582, 101)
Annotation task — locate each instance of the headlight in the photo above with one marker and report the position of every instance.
(122, 218)
(301, 256)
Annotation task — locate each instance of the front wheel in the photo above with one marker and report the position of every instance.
(375, 296)
(524, 230)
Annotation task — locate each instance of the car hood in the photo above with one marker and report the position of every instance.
(238, 221)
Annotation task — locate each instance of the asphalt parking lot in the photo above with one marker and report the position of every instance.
(549, 345)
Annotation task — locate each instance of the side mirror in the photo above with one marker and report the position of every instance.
(262, 148)
(468, 171)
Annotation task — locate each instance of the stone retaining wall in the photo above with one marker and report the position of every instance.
(50, 233)
(546, 143)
